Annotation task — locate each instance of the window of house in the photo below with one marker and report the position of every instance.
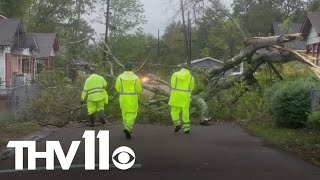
(237, 69)
(26, 69)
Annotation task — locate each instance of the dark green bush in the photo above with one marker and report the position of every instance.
(289, 103)
(314, 121)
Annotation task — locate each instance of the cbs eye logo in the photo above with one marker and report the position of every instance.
(123, 158)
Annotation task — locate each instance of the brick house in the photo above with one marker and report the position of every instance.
(21, 52)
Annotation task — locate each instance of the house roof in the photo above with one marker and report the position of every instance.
(293, 28)
(8, 30)
(28, 40)
(46, 42)
(204, 59)
(312, 20)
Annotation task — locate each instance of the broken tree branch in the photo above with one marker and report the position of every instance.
(252, 46)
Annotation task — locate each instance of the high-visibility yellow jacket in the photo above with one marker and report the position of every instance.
(182, 84)
(129, 87)
(94, 89)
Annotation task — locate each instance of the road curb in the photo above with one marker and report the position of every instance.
(5, 152)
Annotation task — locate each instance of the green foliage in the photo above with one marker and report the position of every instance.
(15, 129)
(154, 114)
(314, 120)
(289, 103)
(219, 110)
(59, 100)
(285, 26)
(314, 6)
(173, 38)
(125, 15)
(225, 40)
(253, 103)
(134, 47)
(304, 143)
(296, 71)
(257, 16)
(15, 8)
(238, 103)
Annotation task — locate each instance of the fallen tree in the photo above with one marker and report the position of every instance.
(258, 51)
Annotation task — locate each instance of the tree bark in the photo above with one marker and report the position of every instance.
(185, 33)
(252, 45)
(106, 37)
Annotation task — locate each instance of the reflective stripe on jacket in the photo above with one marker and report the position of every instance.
(94, 89)
(128, 85)
(175, 88)
(182, 84)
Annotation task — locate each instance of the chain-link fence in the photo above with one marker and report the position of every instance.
(315, 97)
(14, 101)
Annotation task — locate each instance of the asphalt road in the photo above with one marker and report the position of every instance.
(223, 151)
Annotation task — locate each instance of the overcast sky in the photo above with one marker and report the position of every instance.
(158, 14)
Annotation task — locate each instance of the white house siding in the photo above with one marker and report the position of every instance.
(3, 64)
(52, 53)
(313, 37)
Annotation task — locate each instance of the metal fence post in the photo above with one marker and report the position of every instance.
(314, 99)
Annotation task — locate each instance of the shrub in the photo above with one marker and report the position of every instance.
(241, 102)
(154, 113)
(219, 111)
(58, 102)
(314, 120)
(289, 103)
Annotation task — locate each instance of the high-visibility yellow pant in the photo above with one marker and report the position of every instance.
(128, 120)
(175, 115)
(95, 106)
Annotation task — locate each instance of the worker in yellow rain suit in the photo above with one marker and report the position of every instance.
(129, 87)
(182, 84)
(96, 95)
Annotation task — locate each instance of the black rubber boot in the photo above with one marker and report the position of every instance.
(92, 119)
(127, 133)
(177, 128)
(102, 120)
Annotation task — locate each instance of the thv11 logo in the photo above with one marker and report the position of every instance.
(123, 157)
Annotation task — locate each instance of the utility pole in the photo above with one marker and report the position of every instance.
(158, 43)
(106, 38)
(190, 38)
(185, 33)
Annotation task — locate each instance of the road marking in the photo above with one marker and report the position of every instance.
(5, 171)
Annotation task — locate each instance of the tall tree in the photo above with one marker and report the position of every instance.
(257, 15)
(224, 40)
(314, 6)
(125, 15)
(174, 43)
(15, 8)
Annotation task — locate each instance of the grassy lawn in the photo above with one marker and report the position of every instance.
(303, 142)
(12, 130)
(6, 116)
